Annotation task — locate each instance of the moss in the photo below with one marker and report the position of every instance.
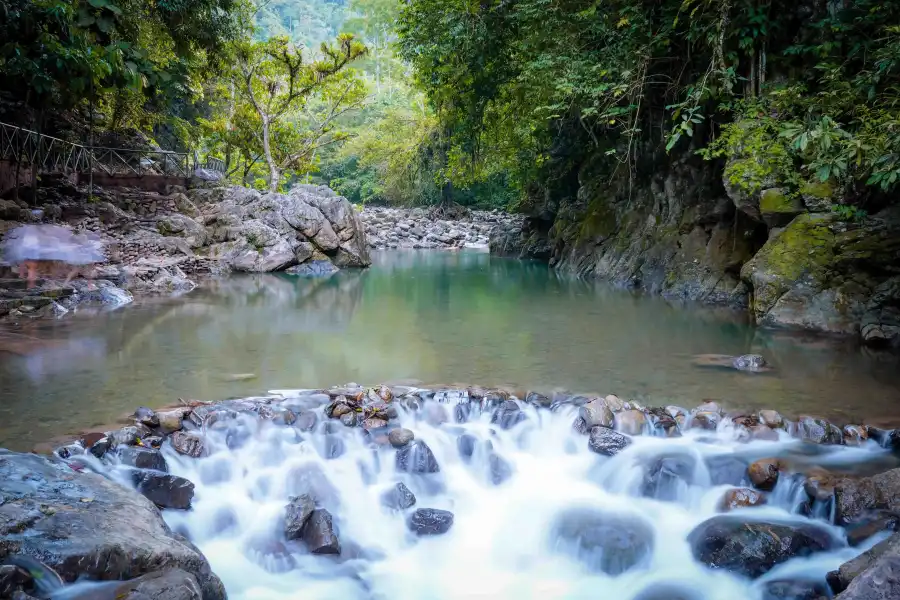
(775, 200)
(822, 190)
(599, 221)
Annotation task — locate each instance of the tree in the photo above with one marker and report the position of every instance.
(274, 78)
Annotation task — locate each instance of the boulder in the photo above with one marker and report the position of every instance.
(727, 470)
(319, 533)
(171, 584)
(143, 458)
(855, 495)
(416, 457)
(430, 521)
(171, 421)
(189, 443)
(818, 431)
(608, 542)
(841, 579)
(296, 513)
(400, 437)
(595, 413)
(764, 473)
(881, 581)
(146, 417)
(499, 469)
(752, 548)
(164, 490)
(778, 207)
(606, 441)
(741, 498)
(630, 422)
(666, 475)
(83, 525)
(398, 497)
(313, 269)
(799, 589)
(771, 419)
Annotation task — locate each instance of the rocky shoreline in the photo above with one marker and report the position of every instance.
(92, 508)
(419, 228)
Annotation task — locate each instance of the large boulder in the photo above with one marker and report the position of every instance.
(83, 525)
(854, 496)
(753, 548)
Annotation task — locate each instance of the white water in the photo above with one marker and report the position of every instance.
(501, 544)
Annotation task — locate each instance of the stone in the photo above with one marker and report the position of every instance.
(508, 415)
(854, 496)
(596, 413)
(398, 497)
(606, 441)
(400, 437)
(466, 444)
(189, 443)
(607, 542)
(127, 436)
(349, 419)
(851, 569)
(142, 458)
(171, 584)
(818, 196)
(818, 431)
(630, 422)
(499, 469)
(854, 435)
(101, 530)
(764, 473)
(881, 581)
(666, 475)
(171, 421)
(752, 548)
(319, 533)
(296, 513)
(771, 419)
(164, 490)
(668, 592)
(750, 362)
(430, 521)
(313, 268)
(778, 207)
(306, 421)
(416, 457)
(374, 423)
(795, 590)
(146, 416)
(741, 498)
(309, 479)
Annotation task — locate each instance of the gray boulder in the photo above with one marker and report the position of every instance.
(82, 525)
(607, 441)
(608, 542)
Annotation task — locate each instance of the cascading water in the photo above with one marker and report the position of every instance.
(536, 514)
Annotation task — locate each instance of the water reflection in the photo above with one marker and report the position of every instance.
(430, 316)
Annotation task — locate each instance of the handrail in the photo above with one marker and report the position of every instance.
(52, 154)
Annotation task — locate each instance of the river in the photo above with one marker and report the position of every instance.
(433, 317)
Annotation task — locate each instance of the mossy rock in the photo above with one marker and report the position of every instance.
(803, 249)
(778, 208)
(818, 196)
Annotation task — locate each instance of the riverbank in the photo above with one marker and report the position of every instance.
(763, 478)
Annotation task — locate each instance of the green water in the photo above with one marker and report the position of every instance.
(436, 317)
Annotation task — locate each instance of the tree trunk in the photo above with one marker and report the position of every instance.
(274, 175)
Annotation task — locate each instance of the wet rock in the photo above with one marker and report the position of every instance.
(818, 431)
(146, 417)
(753, 548)
(331, 447)
(741, 498)
(854, 435)
(499, 469)
(608, 542)
(667, 475)
(189, 443)
(750, 362)
(319, 534)
(416, 457)
(508, 415)
(727, 470)
(538, 399)
(98, 444)
(374, 423)
(606, 441)
(100, 530)
(143, 458)
(296, 514)
(854, 496)
(271, 554)
(764, 473)
(430, 521)
(398, 497)
(127, 436)
(771, 419)
(400, 437)
(662, 422)
(338, 410)
(466, 444)
(850, 570)
(309, 479)
(706, 419)
(171, 421)
(881, 581)
(795, 590)
(349, 419)
(595, 413)
(630, 422)
(306, 421)
(164, 490)
(435, 414)
(871, 524)
(667, 591)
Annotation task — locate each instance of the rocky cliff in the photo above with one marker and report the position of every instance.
(674, 227)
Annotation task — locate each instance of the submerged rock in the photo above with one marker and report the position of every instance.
(143, 458)
(750, 362)
(606, 441)
(663, 478)
(795, 590)
(608, 542)
(398, 497)
(430, 521)
(753, 548)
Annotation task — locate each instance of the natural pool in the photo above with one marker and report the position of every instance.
(436, 317)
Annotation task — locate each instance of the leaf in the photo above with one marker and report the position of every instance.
(98, 3)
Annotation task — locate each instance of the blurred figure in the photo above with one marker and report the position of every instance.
(51, 250)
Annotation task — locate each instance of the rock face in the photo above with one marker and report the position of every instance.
(388, 228)
(854, 496)
(753, 548)
(81, 524)
(272, 232)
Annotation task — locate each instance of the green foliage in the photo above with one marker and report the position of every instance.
(849, 213)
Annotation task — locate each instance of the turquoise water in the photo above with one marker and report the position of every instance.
(435, 317)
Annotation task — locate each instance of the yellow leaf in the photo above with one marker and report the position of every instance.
(622, 22)
(612, 121)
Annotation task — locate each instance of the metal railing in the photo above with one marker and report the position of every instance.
(53, 155)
